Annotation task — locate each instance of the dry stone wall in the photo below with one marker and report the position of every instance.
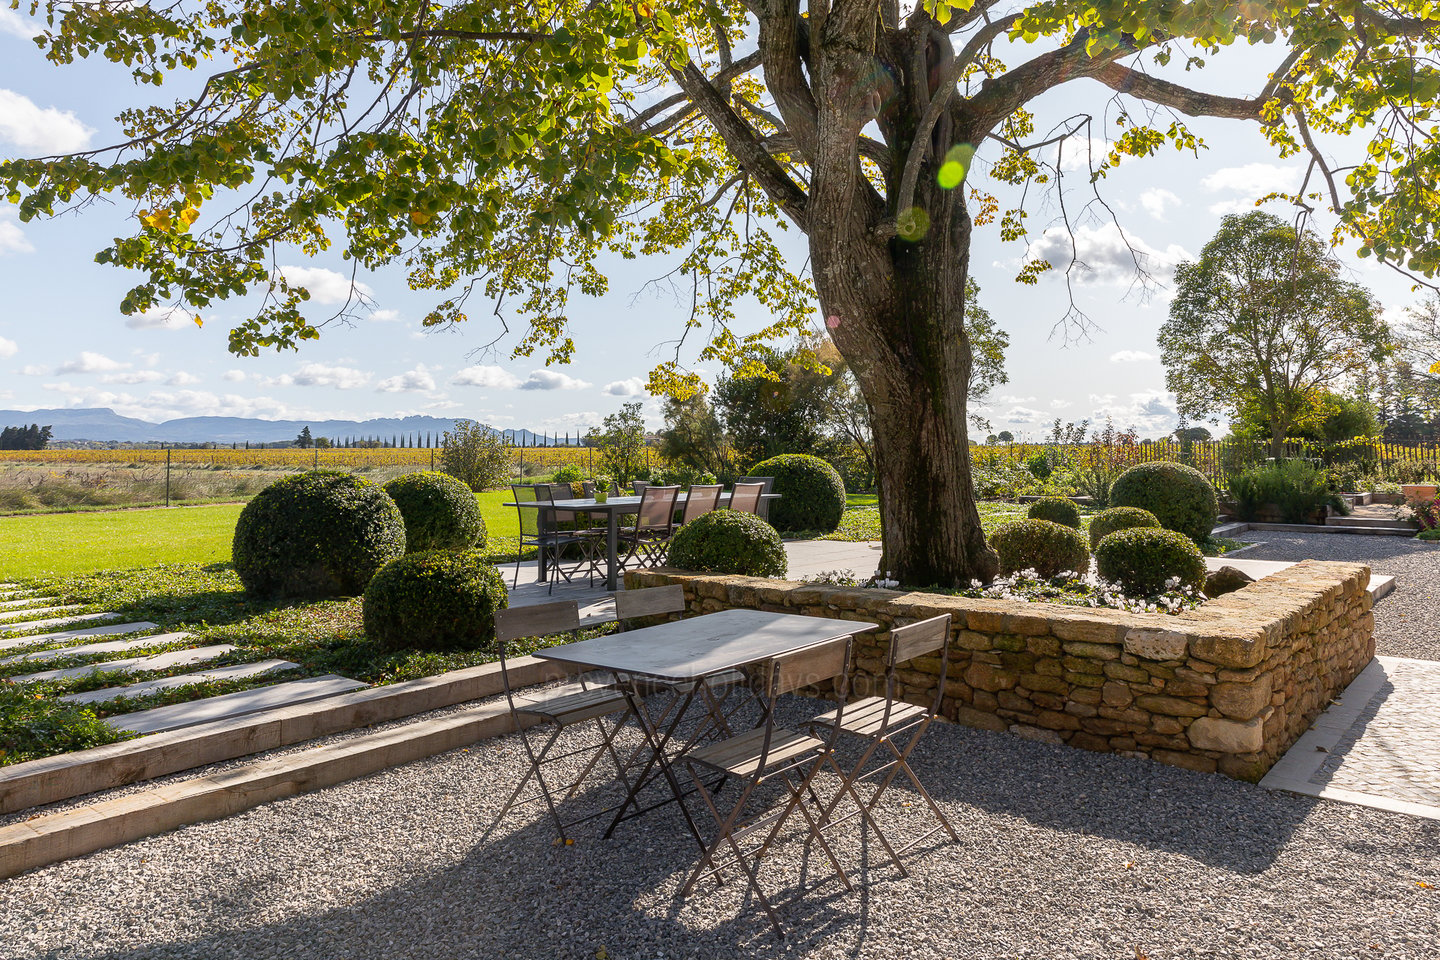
(1225, 687)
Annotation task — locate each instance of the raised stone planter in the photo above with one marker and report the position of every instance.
(1226, 687)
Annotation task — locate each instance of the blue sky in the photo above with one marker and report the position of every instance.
(64, 343)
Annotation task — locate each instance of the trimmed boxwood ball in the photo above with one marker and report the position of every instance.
(1107, 522)
(1179, 496)
(1044, 546)
(812, 495)
(1055, 509)
(440, 512)
(727, 541)
(1142, 559)
(322, 533)
(435, 600)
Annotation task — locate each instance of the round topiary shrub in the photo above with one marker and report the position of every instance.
(440, 512)
(812, 495)
(1048, 548)
(322, 533)
(435, 600)
(727, 541)
(1142, 560)
(1179, 496)
(1055, 509)
(1107, 522)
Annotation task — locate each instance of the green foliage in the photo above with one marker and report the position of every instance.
(679, 476)
(1297, 487)
(33, 437)
(569, 473)
(1107, 522)
(1040, 466)
(1143, 561)
(694, 438)
(1049, 549)
(621, 445)
(317, 534)
(477, 456)
(435, 600)
(34, 726)
(1179, 496)
(727, 541)
(777, 403)
(812, 495)
(1096, 482)
(1056, 510)
(440, 512)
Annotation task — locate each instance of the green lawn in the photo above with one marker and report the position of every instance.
(62, 544)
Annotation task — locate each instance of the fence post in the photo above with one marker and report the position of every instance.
(167, 478)
(432, 458)
(317, 458)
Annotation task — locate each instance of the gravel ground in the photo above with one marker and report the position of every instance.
(1407, 622)
(1064, 854)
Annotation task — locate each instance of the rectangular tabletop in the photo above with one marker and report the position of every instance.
(617, 504)
(701, 646)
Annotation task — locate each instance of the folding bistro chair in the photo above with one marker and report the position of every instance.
(745, 497)
(654, 525)
(639, 487)
(763, 508)
(767, 753)
(700, 499)
(894, 725)
(558, 711)
(538, 529)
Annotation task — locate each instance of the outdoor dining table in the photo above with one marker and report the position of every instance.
(612, 508)
(685, 652)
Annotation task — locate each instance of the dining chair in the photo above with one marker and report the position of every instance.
(745, 497)
(700, 500)
(559, 711)
(654, 525)
(762, 509)
(767, 753)
(895, 725)
(538, 529)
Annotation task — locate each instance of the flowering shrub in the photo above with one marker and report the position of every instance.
(1088, 590)
(1427, 512)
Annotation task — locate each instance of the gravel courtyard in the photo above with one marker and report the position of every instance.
(1064, 854)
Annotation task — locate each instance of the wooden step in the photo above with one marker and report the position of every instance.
(158, 661)
(237, 704)
(237, 671)
(92, 649)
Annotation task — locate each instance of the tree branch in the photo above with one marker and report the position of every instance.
(780, 55)
(1123, 79)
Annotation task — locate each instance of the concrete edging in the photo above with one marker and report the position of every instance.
(67, 775)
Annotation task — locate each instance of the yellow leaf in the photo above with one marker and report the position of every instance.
(419, 218)
(198, 321)
(1435, 367)
(189, 215)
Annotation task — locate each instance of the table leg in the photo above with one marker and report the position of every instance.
(612, 538)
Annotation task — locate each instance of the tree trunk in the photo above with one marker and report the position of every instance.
(1277, 438)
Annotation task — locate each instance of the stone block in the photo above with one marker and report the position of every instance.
(1084, 679)
(1166, 726)
(1150, 644)
(1242, 648)
(1028, 624)
(1049, 667)
(1242, 701)
(1080, 709)
(1088, 695)
(1170, 706)
(1083, 665)
(1241, 768)
(1117, 694)
(970, 640)
(985, 700)
(985, 621)
(1043, 646)
(1120, 671)
(1036, 733)
(1008, 642)
(1089, 741)
(1092, 651)
(1054, 720)
(1185, 688)
(1035, 681)
(1227, 736)
(979, 719)
(1189, 761)
(985, 676)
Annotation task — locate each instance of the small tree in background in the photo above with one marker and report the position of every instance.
(621, 444)
(33, 437)
(305, 441)
(476, 455)
(694, 437)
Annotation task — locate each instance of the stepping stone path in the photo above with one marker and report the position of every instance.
(52, 645)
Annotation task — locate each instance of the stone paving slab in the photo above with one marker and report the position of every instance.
(236, 704)
(48, 622)
(159, 661)
(89, 649)
(26, 601)
(36, 611)
(1378, 744)
(59, 636)
(238, 671)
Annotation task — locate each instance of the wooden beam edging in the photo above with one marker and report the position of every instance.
(59, 836)
(66, 775)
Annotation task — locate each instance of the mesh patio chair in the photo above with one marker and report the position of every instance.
(745, 497)
(895, 725)
(700, 500)
(654, 525)
(556, 712)
(768, 753)
(763, 509)
(639, 487)
(538, 529)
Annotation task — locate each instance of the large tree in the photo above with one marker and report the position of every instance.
(1263, 325)
(501, 147)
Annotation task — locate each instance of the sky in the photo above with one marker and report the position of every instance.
(64, 342)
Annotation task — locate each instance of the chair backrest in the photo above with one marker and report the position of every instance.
(745, 497)
(630, 604)
(529, 516)
(918, 640)
(588, 488)
(763, 508)
(810, 666)
(536, 620)
(657, 509)
(700, 500)
(563, 491)
(639, 487)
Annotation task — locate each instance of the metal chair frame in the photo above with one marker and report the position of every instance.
(700, 499)
(654, 526)
(538, 529)
(560, 710)
(746, 497)
(895, 719)
(762, 510)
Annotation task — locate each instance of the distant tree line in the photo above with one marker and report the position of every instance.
(33, 437)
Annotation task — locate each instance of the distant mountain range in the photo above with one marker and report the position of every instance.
(101, 424)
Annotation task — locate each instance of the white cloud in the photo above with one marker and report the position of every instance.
(182, 379)
(1225, 207)
(13, 23)
(1022, 415)
(12, 238)
(418, 380)
(1149, 411)
(325, 286)
(496, 378)
(572, 422)
(321, 375)
(387, 316)
(1130, 356)
(632, 387)
(8, 348)
(1156, 200)
(552, 380)
(1253, 179)
(1060, 404)
(1078, 153)
(33, 130)
(1103, 256)
(234, 376)
(160, 318)
(90, 362)
(35, 370)
(1006, 398)
(133, 377)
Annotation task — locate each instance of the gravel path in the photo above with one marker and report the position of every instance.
(1407, 622)
(1064, 854)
